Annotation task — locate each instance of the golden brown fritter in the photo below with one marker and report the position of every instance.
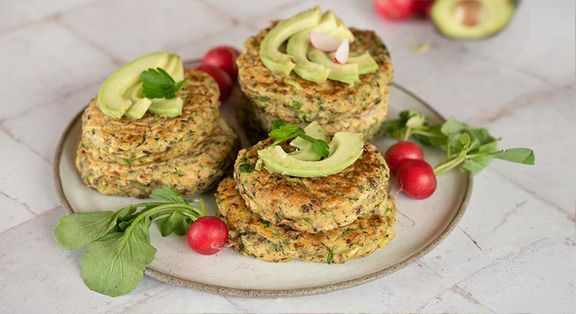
(257, 123)
(299, 101)
(253, 236)
(153, 138)
(312, 204)
(193, 172)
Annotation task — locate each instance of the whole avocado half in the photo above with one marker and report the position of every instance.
(472, 19)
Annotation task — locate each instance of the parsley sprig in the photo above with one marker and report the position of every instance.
(469, 148)
(282, 132)
(157, 83)
(118, 242)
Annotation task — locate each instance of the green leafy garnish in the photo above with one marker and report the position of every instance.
(330, 257)
(469, 148)
(118, 243)
(282, 132)
(157, 83)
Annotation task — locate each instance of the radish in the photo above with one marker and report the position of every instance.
(222, 78)
(402, 151)
(223, 57)
(342, 52)
(207, 235)
(395, 9)
(416, 178)
(323, 42)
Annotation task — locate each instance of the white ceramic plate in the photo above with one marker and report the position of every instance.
(421, 226)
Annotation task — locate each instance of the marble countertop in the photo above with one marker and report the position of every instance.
(513, 251)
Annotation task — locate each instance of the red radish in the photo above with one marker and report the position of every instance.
(416, 178)
(207, 235)
(402, 151)
(422, 8)
(341, 55)
(324, 42)
(395, 9)
(223, 57)
(222, 78)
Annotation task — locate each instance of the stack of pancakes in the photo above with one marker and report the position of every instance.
(189, 153)
(323, 219)
(336, 106)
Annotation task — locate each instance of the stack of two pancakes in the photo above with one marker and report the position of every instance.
(189, 153)
(329, 219)
(334, 105)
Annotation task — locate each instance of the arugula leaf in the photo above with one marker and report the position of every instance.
(77, 230)
(119, 243)
(169, 195)
(518, 155)
(467, 147)
(175, 223)
(282, 132)
(114, 264)
(157, 83)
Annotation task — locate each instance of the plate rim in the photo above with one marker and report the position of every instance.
(239, 292)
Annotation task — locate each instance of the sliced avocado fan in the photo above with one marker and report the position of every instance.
(276, 61)
(345, 149)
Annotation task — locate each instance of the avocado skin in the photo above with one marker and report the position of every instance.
(443, 16)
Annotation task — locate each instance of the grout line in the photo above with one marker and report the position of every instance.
(468, 296)
(569, 216)
(4, 129)
(115, 59)
(509, 213)
(523, 101)
(236, 306)
(18, 27)
(31, 218)
(470, 237)
(24, 204)
(53, 102)
(46, 18)
(215, 9)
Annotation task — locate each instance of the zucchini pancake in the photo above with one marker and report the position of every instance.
(154, 125)
(359, 105)
(253, 236)
(153, 138)
(195, 171)
(313, 204)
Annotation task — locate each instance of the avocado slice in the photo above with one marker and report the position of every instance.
(346, 73)
(276, 61)
(305, 150)
(167, 108)
(365, 62)
(472, 19)
(299, 44)
(345, 148)
(111, 100)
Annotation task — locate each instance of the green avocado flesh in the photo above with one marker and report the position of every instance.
(345, 149)
(346, 73)
(276, 61)
(365, 62)
(472, 19)
(305, 150)
(121, 94)
(299, 45)
(168, 108)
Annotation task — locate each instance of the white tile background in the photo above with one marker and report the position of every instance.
(514, 251)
